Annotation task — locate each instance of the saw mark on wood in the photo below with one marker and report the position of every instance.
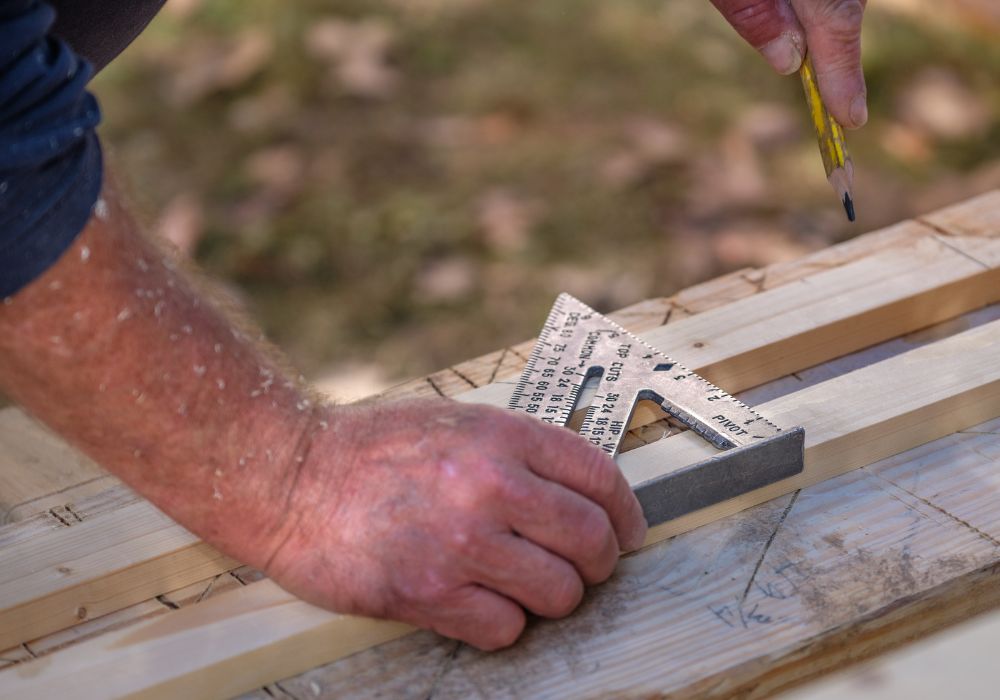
(25, 504)
(464, 378)
(767, 545)
(10, 661)
(167, 602)
(666, 317)
(497, 366)
(211, 585)
(943, 511)
(436, 388)
(518, 355)
(759, 281)
(935, 228)
(283, 689)
(961, 252)
(69, 509)
(66, 522)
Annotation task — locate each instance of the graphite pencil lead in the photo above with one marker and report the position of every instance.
(849, 206)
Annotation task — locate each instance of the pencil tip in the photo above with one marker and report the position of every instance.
(849, 206)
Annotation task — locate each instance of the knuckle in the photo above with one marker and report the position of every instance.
(752, 13)
(601, 475)
(593, 530)
(481, 481)
(757, 21)
(841, 19)
(509, 429)
(469, 550)
(564, 595)
(494, 479)
(419, 589)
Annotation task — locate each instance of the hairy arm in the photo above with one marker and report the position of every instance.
(117, 351)
(451, 517)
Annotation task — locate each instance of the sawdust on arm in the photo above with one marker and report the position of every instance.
(121, 352)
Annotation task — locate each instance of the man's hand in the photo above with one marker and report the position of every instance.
(452, 517)
(445, 515)
(781, 30)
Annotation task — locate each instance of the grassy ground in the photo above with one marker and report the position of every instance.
(401, 184)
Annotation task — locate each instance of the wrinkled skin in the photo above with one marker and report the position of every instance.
(453, 517)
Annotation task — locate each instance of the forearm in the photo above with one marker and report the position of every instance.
(117, 351)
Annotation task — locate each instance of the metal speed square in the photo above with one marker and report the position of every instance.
(579, 347)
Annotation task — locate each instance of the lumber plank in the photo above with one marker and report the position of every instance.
(938, 389)
(746, 282)
(47, 581)
(35, 462)
(856, 419)
(67, 515)
(893, 292)
(852, 566)
(803, 323)
(979, 216)
(960, 663)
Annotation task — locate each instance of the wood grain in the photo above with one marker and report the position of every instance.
(34, 462)
(829, 314)
(975, 220)
(906, 288)
(47, 582)
(936, 390)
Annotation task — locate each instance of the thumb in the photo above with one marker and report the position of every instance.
(770, 26)
(833, 33)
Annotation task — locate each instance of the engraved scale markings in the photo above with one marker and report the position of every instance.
(578, 344)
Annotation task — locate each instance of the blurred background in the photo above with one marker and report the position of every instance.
(392, 186)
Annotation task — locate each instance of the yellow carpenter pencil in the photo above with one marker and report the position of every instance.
(836, 160)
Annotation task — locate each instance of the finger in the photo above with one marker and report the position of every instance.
(544, 583)
(833, 34)
(564, 523)
(770, 26)
(562, 456)
(477, 616)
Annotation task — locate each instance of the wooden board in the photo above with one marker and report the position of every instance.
(47, 584)
(425, 663)
(959, 663)
(34, 464)
(911, 286)
(826, 315)
(744, 606)
(937, 389)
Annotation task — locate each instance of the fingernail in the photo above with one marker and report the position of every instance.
(859, 111)
(783, 55)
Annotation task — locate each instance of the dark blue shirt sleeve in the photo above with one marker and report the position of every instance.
(50, 158)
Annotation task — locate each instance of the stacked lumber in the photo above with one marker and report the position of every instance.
(788, 319)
